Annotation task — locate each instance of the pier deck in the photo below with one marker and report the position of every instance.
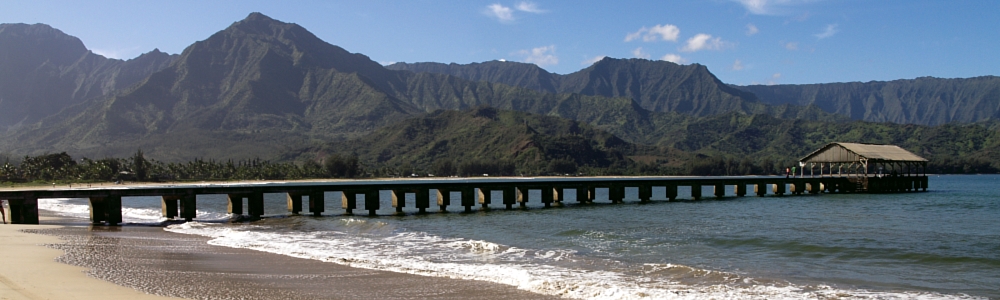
(178, 200)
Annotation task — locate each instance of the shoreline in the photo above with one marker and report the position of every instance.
(76, 261)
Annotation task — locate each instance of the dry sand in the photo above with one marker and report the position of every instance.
(28, 270)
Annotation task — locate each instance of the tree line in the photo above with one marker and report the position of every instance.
(62, 167)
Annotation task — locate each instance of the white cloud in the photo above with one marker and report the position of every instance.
(792, 46)
(592, 60)
(666, 32)
(770, 7)
(674, 58)
(752, 29)
(502, 13)
(541, 56)
(774, 79)
(123, 53)
(829, 31)
(386, 63)
(638, 53)
(738, 65)
(527, 6)
(702, 41)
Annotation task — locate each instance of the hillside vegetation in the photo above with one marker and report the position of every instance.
(262, 90)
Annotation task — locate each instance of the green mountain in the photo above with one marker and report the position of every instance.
(43, 70)
(269, 89)
(264, 87)
(487, 135)
(655, 85)
(925, 100)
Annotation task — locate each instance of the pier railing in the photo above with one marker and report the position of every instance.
(179, 200)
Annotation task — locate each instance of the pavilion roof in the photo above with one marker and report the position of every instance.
(839, 152)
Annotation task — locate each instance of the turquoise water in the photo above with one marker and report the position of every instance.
(943, 243)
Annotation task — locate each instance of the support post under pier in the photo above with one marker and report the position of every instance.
(671, 192)
(317, 202)
(422, 200)
(24, 210)
(484, 196)
(188, 207)
(548, 195)
(720, 190)
(645, 193)
(169, 206)
(443, 199)
(468, 198)
(372, 201)
(399, 200)
(760, 189)
(523, 196)
(583, 195)
(509, 197)
(616, 194)
(235, 205)
(294, 202)
(106, 210)
(696, 192)
(778, 188)
(255, 205)
(349, 201)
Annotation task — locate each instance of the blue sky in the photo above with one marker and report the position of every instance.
(742, 42)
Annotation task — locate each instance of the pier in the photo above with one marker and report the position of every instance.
(470, 194)
(834, 168)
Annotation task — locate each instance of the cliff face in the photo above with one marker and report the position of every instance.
(925, 100)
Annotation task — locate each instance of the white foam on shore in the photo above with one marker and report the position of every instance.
(418, 253)
(73, 208)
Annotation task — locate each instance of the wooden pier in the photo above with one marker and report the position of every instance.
(179, 201)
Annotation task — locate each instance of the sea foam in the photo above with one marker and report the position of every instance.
(527, 269)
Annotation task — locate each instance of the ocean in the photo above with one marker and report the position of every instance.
(940, 244)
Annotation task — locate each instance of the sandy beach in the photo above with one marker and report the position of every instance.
(72, 260)
(29, 270)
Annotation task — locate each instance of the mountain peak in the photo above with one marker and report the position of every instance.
(258, 17)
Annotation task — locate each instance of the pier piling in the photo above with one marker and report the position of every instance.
(317, 202)
(696, 192)
(645, 193)
(522, 196)
(348, 201)
(510, 197)
(235, 205)
(468, 198)
(422, 200)
(188, 207)
(399, 200)
(778, 189)
(443, 199)
(169, 206)
(671, 192)
(255, 205)
(294, 203)
(720, 190)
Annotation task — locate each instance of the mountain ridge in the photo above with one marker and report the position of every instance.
(923, 100)
(44, 70)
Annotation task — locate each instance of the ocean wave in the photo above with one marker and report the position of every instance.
(79, 208)
(368, 244)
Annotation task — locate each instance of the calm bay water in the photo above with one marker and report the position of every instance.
(944, 243)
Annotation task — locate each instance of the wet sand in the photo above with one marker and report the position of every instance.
(140, 259)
